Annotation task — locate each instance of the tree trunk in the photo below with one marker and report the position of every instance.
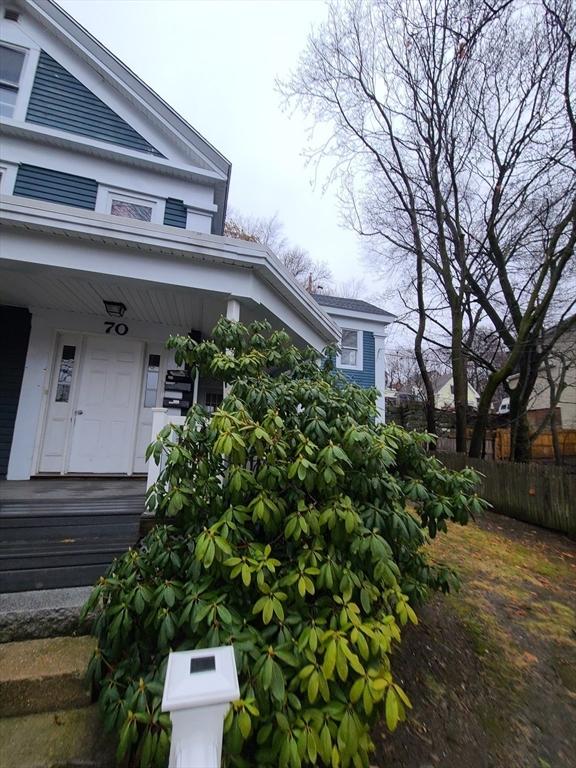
(429, 389)
(460, 382)
(558, 455)
(482, 414)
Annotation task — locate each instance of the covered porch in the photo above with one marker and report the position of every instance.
(102, 296)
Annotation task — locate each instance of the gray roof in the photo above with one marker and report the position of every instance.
(354, 305)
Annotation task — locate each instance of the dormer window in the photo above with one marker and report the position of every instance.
(11, 65)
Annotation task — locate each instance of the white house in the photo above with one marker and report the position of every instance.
(112, 210)
(444, 393)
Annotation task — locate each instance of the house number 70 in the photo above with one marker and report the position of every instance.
(120, 328)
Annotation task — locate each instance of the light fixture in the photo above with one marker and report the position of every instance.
(114, 308)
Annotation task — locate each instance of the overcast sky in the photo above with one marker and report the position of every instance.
(215, 62)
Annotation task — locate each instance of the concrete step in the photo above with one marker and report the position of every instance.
(44, 675)
(43, 613)
(57, 739)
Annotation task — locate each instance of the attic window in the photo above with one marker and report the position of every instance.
(11, 63)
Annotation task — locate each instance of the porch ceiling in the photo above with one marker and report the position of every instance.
(147, 302)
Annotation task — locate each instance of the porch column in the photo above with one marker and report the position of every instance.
(232, 313)
(159, 420)
(233, 310)
(380, 375)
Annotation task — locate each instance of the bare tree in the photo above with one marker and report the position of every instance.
(312, 274)
(453, 140)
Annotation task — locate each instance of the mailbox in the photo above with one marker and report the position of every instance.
(178, 390)
(198, 690)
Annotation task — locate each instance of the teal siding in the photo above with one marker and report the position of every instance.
(367, 376)
(59, 100)
(175, 213)
(55, 187)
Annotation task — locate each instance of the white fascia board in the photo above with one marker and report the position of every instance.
(52, 16)
(360, 320)
(75, 142)
(166, 241)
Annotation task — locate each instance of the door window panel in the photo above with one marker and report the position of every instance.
(65, 372)
(152, 380)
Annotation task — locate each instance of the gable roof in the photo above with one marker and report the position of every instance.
(352, 305)
(441, 381)
(111, 68)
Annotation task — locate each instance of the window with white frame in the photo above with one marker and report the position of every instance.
(130, 206)
(8, 173)
(351, 349)
(11, 65)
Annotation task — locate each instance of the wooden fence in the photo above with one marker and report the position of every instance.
(535, 493)
(542, 448)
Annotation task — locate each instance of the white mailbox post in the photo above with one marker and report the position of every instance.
(198, 690)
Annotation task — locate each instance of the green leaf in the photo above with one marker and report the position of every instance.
(391, 709)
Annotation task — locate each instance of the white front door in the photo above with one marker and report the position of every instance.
(104, 417)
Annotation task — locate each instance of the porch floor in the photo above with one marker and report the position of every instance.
(65, 532)
(60, 488)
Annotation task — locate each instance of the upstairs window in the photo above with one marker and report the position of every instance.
(350, 357)
(130, 205)
(131, 210)
(11, 64)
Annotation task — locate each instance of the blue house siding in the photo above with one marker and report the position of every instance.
(55, 187)
(59, 100)
(175, 213)
(367, 376)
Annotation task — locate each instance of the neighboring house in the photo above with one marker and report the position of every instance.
(362, 344)
(112, 211)
(562, 363)
(444, 393)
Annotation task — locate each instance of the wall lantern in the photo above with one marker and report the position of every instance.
(115, 308)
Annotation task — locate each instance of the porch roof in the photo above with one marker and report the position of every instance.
(85, 245)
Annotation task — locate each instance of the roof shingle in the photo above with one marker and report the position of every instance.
(354, 305)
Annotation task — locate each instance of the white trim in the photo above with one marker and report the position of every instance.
(170, 242)
(8, 178)
(359, 351)
(373, 319)
(106, 195)
(107, 150)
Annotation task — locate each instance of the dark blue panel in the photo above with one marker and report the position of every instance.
(367, 376)
(14, 332)
(175, 213)
(56, 187)
(59, 100)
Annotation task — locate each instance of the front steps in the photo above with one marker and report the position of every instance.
(47, 719)
(48, 543)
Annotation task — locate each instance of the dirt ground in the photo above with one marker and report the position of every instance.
(491, 670)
